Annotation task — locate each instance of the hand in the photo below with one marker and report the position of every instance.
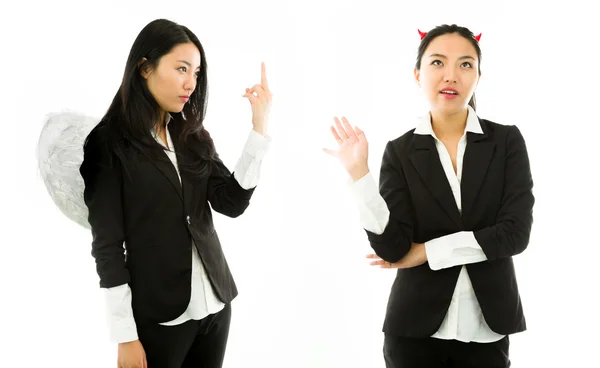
(260, 101)
(131, 355)
(416, 256)
(353, 150)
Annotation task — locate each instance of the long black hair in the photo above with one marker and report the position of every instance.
(134, 112)
(446, 29)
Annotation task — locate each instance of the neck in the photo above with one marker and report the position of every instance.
(449, 125)
(162, 122)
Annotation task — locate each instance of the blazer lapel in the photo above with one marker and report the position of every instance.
(167, 168)
(185, 187)
(185, 157)
(182, 159)
(476, 161)
(426, 161)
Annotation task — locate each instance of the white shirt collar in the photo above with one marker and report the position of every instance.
(424, 124)
(168, 119)
(169, 141)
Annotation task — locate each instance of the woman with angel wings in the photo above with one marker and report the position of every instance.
(150, 179)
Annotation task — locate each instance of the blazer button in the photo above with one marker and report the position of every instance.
(188, 219)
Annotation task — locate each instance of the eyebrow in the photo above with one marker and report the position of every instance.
(444, 57)
(186, 63)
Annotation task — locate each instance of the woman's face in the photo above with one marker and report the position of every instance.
(174, 79)
(449, 73)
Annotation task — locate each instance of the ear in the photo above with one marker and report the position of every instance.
(145, 72)
(417, 76)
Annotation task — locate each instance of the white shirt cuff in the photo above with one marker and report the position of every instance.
(373, 210)
(121, 324)
(454, 249)
(257, 145)
(247, 169)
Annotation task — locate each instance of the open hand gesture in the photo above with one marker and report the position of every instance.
(353, 148)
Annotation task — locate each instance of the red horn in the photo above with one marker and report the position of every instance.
(478, 37)
(422, 34)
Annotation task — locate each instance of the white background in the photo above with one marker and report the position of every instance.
(308, 297)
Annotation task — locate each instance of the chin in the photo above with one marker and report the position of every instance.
(449, 109)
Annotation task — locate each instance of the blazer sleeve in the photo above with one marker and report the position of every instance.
(510, 235)
(102, 194)
(396, 239)
(225, 194)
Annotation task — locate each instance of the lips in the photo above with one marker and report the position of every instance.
(449, 91)
(184, 98)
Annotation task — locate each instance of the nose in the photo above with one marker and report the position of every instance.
(190, 83)
(450, 75)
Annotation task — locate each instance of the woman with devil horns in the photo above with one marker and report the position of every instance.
(454, 206)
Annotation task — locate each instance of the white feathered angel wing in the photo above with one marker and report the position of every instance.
(60, 153)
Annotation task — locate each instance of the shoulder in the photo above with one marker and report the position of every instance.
(397, 149)
(501, 133)
(101, 144)
(98, 137)
(405, 138)
(401, 143)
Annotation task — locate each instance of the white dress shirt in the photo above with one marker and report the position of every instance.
(464, 320)
(203, 301)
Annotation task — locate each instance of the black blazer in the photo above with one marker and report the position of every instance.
(497, 204)
(157, 218)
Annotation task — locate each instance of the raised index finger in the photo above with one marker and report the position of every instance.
(263, 75)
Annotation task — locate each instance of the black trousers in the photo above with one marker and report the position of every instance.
(193, 344)
(402, 352)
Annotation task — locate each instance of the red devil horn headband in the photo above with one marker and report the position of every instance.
(423, 34)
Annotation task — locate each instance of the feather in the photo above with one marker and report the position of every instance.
(60, 154)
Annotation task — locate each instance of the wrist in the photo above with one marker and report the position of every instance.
(260, 130)
(358, 172)
(423, 251)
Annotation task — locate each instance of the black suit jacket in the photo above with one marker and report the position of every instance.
(497, 204)
(157, 218)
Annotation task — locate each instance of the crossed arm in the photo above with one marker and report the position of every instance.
(386, 217)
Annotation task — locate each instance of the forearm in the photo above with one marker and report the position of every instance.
(387, 240)
(396, 239)
(393, 244)
(230, 194)
(110, 264)
(510, 234)
(505, 239)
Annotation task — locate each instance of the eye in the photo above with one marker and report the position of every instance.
(197, 74)
(467, 64)
(436, 61)
(182, 68)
